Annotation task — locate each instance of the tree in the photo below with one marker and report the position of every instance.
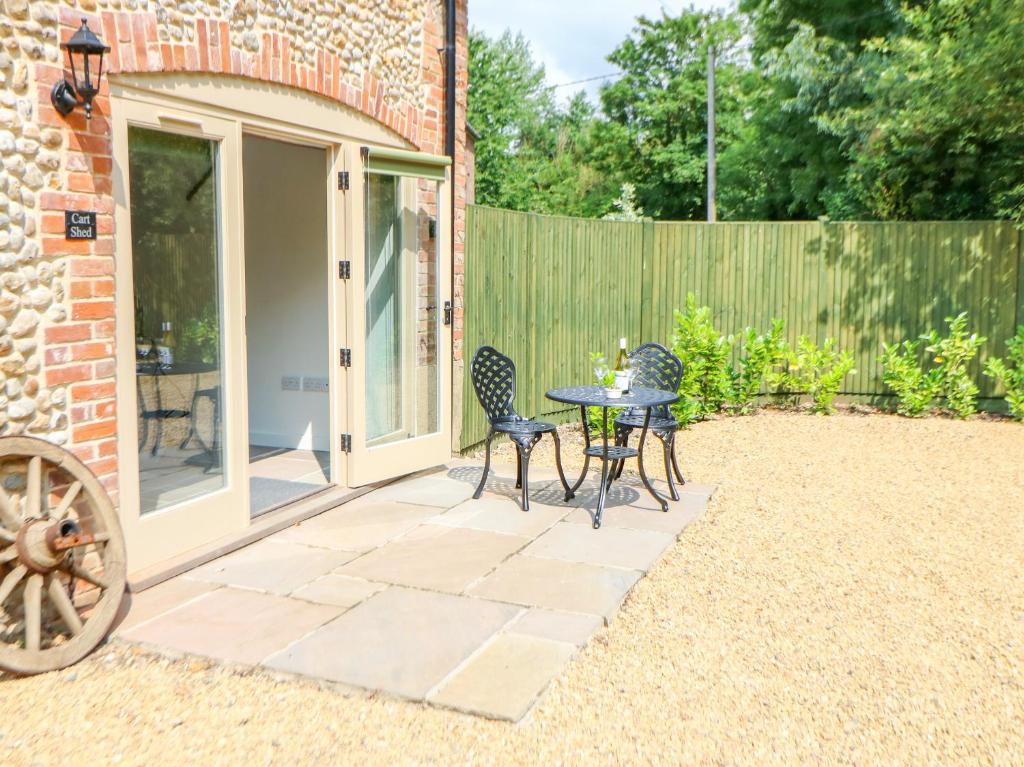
(657, 110)
(797, 166)
(509, 104)
(940, 134)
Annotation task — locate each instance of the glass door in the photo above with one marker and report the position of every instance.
(401, 351)
(181, 389)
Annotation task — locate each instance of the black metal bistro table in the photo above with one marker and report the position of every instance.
(597, 396)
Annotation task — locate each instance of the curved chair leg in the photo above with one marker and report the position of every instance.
(519, 468)
(675, 461)
(558, 464)
(487, 465)
(524, 462)
(666, 450)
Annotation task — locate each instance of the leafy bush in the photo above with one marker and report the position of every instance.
(762, 354)
(595, 421)
(1010, 373)
(915, 389)
(952, 355)
(918, 389)
(818, 372)
(707, 376)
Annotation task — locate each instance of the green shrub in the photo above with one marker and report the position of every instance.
(952, 356)
(919, 389)
(916, 390)
(1010, 373)
(815, 371)
(762, 354)
(707, 376)
(595, 421)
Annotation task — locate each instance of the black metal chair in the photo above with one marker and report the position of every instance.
(655, 367)
(494, 379)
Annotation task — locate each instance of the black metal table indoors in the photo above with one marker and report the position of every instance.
(597, 396)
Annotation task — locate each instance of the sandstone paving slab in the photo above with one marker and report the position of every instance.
(272, 565)
(502, 515)
(340, 590)
(607, 546)
(160, 599)
(558, 585)
(402, 641)
(431, 490)
(361, 525)
(234, 625)
(689, 508)
(436, 557)
(556, 625)
(505, 678)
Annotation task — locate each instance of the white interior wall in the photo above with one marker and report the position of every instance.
(286, 284)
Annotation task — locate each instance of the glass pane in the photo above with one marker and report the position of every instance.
(178, 306)
(402, 308)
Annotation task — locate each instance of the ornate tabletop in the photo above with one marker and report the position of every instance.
(597, 396)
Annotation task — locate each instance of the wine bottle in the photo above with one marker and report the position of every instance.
(622, 367)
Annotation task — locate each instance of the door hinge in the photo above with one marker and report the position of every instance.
(345, 358)
(343, 180)
(346, 443)
(344, 270)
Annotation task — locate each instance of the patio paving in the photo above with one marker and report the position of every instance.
(417, 590)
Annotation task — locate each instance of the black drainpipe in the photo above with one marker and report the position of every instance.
(449, 149)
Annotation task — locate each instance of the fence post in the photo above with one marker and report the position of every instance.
(1019, 317)
(646, 308)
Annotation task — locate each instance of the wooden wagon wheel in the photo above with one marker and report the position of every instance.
(62, 557)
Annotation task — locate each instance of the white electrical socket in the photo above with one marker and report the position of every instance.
(291, 383)
(312, 383)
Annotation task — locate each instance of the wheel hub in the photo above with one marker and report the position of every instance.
(41, 545)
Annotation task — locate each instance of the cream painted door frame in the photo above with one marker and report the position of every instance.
(372, 461)
(166, 532)
(207, 108)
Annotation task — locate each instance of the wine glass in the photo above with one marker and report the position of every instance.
(601, 370)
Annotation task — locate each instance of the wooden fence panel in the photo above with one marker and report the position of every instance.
(548, 290)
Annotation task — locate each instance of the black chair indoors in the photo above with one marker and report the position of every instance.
(654, 367)
(494, 379)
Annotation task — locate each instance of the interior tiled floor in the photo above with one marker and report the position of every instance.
(419, 591)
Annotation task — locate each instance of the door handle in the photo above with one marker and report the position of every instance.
(447, 312)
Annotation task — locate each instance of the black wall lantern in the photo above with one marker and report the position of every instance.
(88, 50)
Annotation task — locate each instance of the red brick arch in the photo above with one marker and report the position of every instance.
(136, 48)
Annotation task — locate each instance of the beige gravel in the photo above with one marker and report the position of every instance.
(854, 596)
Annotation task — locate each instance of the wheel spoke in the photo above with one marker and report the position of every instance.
(86, 575)
(8, 511)
(59, 597)
(33, 612)
(33, 486)
(9, 554)
(69, 498)
(12, 579)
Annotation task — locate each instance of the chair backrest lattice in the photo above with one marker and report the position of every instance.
(494, 380)
(655, 367)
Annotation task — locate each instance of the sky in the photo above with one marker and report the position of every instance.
(571, 38)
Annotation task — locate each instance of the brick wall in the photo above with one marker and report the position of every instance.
(57, 318)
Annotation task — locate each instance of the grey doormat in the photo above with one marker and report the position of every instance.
(266, 493)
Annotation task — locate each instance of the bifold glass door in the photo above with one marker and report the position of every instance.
(402, 309)
(176, 266)
(181, 389)
(401, 413)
